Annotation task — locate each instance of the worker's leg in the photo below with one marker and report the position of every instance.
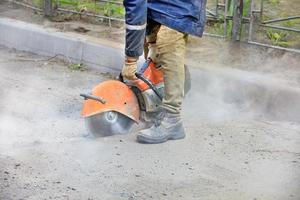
(169, 48)
(166, 47)
(170, 54)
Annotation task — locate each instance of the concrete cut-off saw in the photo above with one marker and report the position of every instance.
(115, 105)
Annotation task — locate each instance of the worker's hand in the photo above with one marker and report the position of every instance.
(129, 68)
(153, 52)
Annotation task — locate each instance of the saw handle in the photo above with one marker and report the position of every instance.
(88, 96)
(141, 77)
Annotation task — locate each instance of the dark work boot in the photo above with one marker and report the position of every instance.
(170, 128)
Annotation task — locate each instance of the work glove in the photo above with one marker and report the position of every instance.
(153, 52)
(129, 69)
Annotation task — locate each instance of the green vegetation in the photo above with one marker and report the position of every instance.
(216, 28)
(276, 37)
(289, 23)
(38, 3)
(113, 10)
(273, 2)
(282, 38)
(76, 67)
(92, 6)
(246, 8)
(295, 23)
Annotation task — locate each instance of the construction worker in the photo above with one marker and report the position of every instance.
(166, 25)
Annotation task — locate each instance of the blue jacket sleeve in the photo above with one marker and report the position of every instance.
(135, 19)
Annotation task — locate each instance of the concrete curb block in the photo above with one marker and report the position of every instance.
(36, 39)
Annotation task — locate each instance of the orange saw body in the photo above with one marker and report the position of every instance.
(114, 105)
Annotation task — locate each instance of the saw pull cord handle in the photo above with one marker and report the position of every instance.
(140, 76)
(88, 96)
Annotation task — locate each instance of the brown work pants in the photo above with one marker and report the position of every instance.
(166, 47)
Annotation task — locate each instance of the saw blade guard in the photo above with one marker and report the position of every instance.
(109, 96)
(108, 123)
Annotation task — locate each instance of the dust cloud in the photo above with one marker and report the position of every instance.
(236, 82)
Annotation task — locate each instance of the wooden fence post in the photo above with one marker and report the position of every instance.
(237, 19)
(48, 10)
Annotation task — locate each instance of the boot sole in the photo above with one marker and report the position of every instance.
(145, 140)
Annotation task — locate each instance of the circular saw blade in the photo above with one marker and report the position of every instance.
(108, 123)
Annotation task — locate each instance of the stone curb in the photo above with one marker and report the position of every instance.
(48, 42)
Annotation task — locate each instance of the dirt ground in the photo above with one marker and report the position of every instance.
(45, 152)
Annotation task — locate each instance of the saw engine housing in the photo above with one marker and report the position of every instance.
(149, 87)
